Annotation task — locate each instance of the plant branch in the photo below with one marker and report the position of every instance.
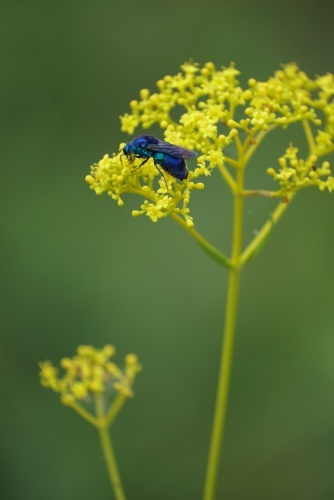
(257, 243)
(210, 249)
(115, 408)
(84, 413)
(227, 176)
(107, 449)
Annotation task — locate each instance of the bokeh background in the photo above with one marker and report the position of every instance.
(76, 269)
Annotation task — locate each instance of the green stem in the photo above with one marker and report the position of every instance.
(115, 408)
(311, 142)
(257, 243)
(108, 451)
(309, 135)
(227, 348)
(210, 249)
(84, 413)
(249, 148)
(231, 161)
(227, 176)
(258, 192)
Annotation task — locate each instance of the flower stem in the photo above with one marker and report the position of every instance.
(309, 135)
(115, 408)
(227, 348)
(209, 249)
(108, 451)
(257, 243)
(109, 457)
(84, 413)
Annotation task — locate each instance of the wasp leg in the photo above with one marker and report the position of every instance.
(142, 163)
(162, 175)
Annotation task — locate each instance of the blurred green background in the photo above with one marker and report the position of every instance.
(77, 269)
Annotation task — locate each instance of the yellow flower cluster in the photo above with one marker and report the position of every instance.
(115, 176)
(215, 112)
(296, 173)
(90, 371)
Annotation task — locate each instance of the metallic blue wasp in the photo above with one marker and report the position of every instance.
(169, 157)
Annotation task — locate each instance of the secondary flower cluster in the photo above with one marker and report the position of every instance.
(90, 371)
(216, 112)
(296, 173)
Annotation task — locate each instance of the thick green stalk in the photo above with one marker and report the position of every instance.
(227, 348)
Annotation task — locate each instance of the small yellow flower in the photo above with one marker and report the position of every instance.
(48, 375)
(89, 371)
(296, 173)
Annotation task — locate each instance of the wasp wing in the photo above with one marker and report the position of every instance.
(172, 150)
